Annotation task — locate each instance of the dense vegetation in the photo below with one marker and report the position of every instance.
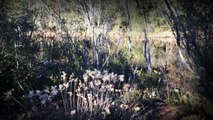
(106, 59)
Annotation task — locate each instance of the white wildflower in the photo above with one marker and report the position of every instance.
(54, 92)
(85, 77)
(38, 92)
(75, 80)
(96, 95)
(113, 103)
(73, 112)
(85, 88)
(98, 74)
(51, 77)
(111, 89)
(61, 87)
(89, 96)
(118, 90)
(153, 94)
(87, 71)
(105, 72)
(107, 111)
(91, 74)
(123, 106)
(31, 94)
(46, 91)
(105, 78)
(121, 78)
(78, 94)
(43, 102)
(78, 89)
(103, 88)
(95, 103)
(53, 87)
(80, 84)
(137, 109)
(176, 90)
(97, 82)
(66, 85)
(63, 76)
(70, 94)
(43, 97)
(126, 87)
(84, 99)
(91, 84)
(109, 86)
(50, 98)
(71, 76)
(71, 80)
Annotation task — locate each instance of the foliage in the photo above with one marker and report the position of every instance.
(191, 23)
(47, 47)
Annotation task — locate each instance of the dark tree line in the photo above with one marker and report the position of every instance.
(191, 22)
